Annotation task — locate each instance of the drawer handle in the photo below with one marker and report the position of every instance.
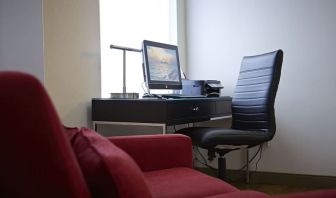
(196, 109)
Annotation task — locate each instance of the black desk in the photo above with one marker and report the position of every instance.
(158, 112)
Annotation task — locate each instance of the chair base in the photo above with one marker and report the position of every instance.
(222, 165)
(222, 168)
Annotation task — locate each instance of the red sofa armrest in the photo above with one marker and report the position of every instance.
(155, 152)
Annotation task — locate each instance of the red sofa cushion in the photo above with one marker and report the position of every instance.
(109, 171)
(184, 182)
(156, 152)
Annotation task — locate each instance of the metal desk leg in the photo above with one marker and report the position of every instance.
(164, 129)
(247, 166)
(95, 126)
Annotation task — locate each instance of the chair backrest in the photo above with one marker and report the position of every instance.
(254, 96)
(36, 158)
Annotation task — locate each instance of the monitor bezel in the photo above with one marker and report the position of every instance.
(154, 84)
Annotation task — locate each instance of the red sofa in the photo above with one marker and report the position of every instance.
(41, 158)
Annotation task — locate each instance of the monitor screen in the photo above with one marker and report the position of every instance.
(161, 66)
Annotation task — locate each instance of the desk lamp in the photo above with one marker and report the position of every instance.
(124, 94)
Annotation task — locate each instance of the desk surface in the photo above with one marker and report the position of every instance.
(165, 111)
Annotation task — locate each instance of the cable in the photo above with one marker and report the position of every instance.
(213, 169)
(205, 163)
(249, 161)
(259, 151)
(256, 166)
(144, 88)
(199, 152)
(185, 76)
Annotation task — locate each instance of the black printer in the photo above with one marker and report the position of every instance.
(208, 88)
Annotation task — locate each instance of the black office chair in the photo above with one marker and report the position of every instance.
(253, 119)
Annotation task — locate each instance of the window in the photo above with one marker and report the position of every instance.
(127, 23)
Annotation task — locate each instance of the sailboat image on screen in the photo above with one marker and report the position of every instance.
(161, 66)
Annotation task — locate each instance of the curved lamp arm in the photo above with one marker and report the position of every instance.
(124, 49)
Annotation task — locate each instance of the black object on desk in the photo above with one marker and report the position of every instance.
(172, 96)
(207, 88)
(158, 112)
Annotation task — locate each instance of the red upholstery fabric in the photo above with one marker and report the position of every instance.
(108, 170)
(242, 194)
(184, 182)
(155, 152)
(36, 159)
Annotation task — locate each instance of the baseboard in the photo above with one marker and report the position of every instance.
(298, 180)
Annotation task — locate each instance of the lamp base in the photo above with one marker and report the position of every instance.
(125, 95)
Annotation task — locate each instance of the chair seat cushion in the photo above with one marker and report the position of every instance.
(184, 182)
(210, 137)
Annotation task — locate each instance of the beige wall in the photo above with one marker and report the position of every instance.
(72, 57)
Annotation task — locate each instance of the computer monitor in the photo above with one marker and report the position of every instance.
(161, 65)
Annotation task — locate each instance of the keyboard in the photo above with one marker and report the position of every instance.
(181, 96)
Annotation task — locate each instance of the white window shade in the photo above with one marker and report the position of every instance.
(127, 23)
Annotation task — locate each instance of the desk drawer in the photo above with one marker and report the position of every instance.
(141, 111)
(194, 110)
(223, 108)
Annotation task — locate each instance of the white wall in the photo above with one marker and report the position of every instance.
(72, 57)
(21, 36)
(220, 32)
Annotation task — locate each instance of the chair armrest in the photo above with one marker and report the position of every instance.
(155, 152)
